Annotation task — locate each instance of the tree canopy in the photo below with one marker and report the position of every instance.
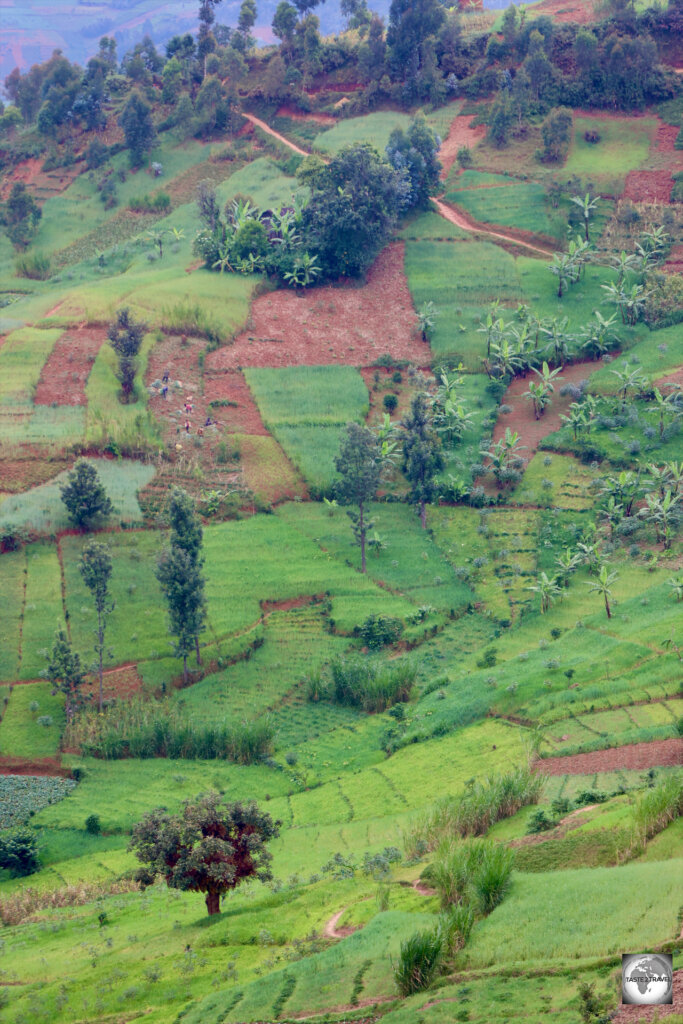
(211, 846)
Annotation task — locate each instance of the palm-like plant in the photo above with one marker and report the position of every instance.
(587, 205)
(576, 419)
(676, 584)
(599, 336)
(223, 262)
(547, 588)
(427, 316)
(667, 405)
(567, 563)
(304, 272)
(563, 269)
(629, 380)
(663, 513)
(603, 585)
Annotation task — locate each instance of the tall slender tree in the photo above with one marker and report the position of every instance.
(187, 535)
(422, 458)
(96, 567)
(359, 465)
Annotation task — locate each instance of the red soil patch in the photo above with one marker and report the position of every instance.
(298, 115)
(27, 171)
(460, 134)
(123, 682)
(242, 415)
(21, 474)
(632, 757)
(635, 1014)
(675, 378)
(35, 766)
(674, 262)
(666, 137)
(521, 418)
(293, 602)
(648, 186)
(578, 11)
(325, 325)
(65, 374)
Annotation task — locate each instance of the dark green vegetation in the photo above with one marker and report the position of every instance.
(306, 584)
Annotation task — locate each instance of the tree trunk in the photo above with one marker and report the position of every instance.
(607, 608)
(361, 526)
(423, 515)
(185, 682)
(196, 647)
(213, 903)
(101, 652)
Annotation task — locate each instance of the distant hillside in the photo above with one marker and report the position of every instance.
(32, 29)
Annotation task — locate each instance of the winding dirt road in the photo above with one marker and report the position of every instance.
(447, 211)
(276, 135)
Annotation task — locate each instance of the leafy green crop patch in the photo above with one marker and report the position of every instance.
(22, 796)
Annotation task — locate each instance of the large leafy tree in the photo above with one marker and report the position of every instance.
(20, 215)
(422, 457)
(210, 847)
(84, 496)
(415, 154)
(138, 128)
(354, 204)
(359, 465)
(96, 567)
(411, 22)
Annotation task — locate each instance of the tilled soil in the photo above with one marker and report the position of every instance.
(65, 374)
(532, 431)
(351, 325)
(241, 415)
(631, 757)
(460, 134)
(636, 1014)
(648, 186)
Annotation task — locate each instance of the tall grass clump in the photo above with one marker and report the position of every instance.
(419, 959)
(189, 318)
(362, 684)
(657, 808)
(471, 872)
(34, 265)
(473, 812)
(146, 729)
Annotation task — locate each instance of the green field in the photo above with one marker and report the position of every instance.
(380, 717)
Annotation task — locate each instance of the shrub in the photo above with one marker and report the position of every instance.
(18, 853)
(418, 962)
(92, 825)
(34, 265)
(379, 631)
(464, 156)
(390, 402)
(471, 871)
(539, 822)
